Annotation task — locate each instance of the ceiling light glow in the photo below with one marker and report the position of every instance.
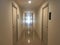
(29, 2)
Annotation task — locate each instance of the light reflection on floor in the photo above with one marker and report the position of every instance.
(29, 38)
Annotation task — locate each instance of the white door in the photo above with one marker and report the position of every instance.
(14, 9)
(45, 25)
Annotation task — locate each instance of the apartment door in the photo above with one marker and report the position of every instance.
(14, 20)
(45, 25)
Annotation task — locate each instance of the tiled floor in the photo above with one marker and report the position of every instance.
(29, 38)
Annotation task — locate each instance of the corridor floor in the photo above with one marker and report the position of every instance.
(29, 38)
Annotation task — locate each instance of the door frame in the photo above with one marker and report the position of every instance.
(16, 23)
(42, 20)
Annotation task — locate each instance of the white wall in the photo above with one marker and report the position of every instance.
(6, 32)
(5, 22)
(54, 23)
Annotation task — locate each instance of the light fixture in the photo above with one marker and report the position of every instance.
(29, 1)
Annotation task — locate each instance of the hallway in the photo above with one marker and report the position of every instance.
(29, 37)
(29, 22)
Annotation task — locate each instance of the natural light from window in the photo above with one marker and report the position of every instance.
(28, 18)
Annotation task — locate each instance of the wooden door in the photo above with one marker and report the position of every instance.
(45, 25)
(14, 21)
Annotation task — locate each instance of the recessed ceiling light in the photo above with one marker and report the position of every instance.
(29, 1)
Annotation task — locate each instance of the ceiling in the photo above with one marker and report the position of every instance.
(25, 5)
